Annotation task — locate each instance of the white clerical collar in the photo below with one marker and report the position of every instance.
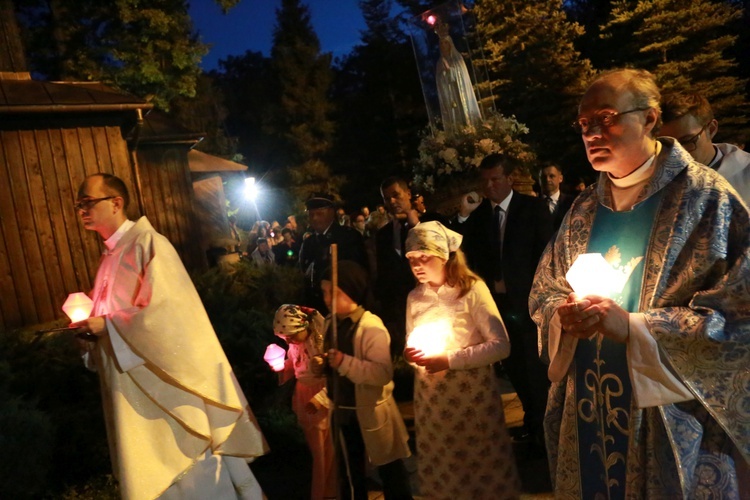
(717, 158)
(503, 204)
(112, 241)
(641, 174)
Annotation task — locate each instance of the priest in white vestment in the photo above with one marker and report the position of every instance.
(178, 423)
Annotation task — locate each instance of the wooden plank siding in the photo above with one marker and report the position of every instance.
(45, 253)
(167, 194)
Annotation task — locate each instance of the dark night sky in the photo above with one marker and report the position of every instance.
(249, 26)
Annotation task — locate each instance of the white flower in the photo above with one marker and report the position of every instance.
(486, 146)
(448, 154)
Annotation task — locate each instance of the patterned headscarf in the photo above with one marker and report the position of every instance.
(291, 320)
(432, 238)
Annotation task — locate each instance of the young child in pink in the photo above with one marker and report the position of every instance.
(302, 328)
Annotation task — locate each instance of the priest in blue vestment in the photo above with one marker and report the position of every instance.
(650, 393)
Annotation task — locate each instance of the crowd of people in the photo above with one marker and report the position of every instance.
(638, 392)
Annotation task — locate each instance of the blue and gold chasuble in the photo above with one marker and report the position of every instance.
(602, 382)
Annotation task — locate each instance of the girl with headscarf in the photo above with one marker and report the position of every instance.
(302, 328)
(454, 334)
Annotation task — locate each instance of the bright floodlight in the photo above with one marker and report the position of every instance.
(431, 19)
(251, 189)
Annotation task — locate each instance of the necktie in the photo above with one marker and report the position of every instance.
(497, 243)
(551, 203)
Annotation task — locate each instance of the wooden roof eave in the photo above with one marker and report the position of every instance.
(73, 108)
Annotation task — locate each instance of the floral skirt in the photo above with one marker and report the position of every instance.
(463, 447)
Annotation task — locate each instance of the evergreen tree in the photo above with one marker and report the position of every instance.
(591, 15)
(687, 44)
(249, 91)
(302, 77)
(206, 112)
(145, 49)
(380, 109)
(535, 71)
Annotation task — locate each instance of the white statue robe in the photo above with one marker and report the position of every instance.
(695, 303)
(178, 423)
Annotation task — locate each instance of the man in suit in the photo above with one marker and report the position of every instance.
(504, 236)
(558, 203)
(394, 277)
(315, 256)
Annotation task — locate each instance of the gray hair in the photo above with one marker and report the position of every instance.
(640, 83)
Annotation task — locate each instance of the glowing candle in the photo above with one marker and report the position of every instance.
(274, 356)
(591, 274)
(78, 306)
(430, 338)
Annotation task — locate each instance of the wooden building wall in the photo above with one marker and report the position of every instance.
(45, 253)
(167, 196)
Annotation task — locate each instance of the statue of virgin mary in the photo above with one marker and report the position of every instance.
(458, 104)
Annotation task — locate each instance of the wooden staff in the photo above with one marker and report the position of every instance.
(335, 427)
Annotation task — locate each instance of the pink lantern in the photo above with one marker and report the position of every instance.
(78, 306)
(274, 356)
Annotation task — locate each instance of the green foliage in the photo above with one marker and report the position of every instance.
(146, 49)
(26, 458)
(241, 305)
(206, 112)
(53, 437)
(687, 45)
(99, 488)
(302, 78)
(536, 73)
(250, 94)
(53, 428)
(380, 109)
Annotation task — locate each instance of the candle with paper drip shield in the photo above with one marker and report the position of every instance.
(430, 338)
(274, 356)
(591, 274)
(78, 307)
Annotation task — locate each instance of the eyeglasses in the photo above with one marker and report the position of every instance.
(600, 121)
(88, 203)
(691, 142)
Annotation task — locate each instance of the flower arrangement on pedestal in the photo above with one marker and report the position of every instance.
(450, 161)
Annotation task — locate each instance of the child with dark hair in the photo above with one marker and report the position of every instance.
(365, 412)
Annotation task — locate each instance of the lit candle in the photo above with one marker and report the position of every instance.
(274, 356)
(430, 338)
(591, 274)
(78, 306)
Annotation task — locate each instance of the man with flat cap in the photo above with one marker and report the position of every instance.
(315, 255)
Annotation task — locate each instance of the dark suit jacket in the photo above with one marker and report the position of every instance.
(394, 277)
(528, 229)
(563, 205)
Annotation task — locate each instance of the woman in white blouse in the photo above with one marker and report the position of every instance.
(454, 334)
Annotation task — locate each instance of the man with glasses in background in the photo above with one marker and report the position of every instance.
(688, 117)
(649, 379)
